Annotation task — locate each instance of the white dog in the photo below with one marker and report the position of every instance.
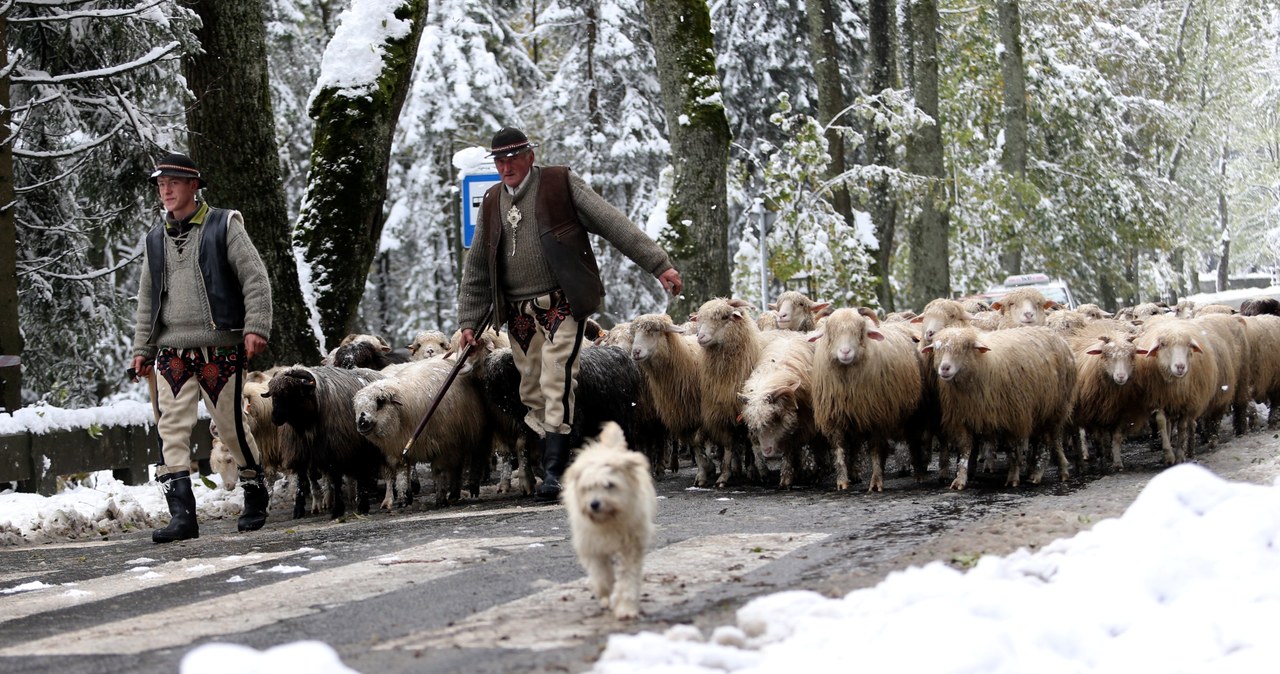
(609, 494)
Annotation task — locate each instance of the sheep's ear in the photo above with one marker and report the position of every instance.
(1050, 304)
(672, 327)
(266, 394)
(395, 400)
(693, 317)
(997, 305)
(820, 307)
(740, 304)
(773, 306)
(816, 335)
(737, 315)
(1195, 346)
(927, 348)
(742, 399)
(872, 333)
(917, 319)
(1150, 353)
(980, 347)
(1094, 351)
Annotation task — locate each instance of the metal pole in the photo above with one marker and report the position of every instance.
(757, 207)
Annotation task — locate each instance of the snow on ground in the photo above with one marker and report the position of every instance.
(1184, 581)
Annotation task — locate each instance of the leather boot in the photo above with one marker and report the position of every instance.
(182, 508)
(256, 498)
(555, 458)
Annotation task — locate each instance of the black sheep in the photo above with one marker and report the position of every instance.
(312, 407)
(366, 355)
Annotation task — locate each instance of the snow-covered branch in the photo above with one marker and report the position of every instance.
(70, 152)
(97, 273)
(82, 14)
(156, 54)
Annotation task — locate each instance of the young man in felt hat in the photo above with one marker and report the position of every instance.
(531, 260)
(204, 309)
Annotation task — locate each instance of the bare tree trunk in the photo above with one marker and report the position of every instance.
(1015, 124)
(883, 206)
(341, 221)
(11, 345)
(929, 235)
(697, 237)
(825, 57)
(233, 141)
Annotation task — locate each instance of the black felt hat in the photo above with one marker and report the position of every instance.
(509, 142)
(177, 166)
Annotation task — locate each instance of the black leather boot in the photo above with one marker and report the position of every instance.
(256, 498)
(182, 508)
(555, 458)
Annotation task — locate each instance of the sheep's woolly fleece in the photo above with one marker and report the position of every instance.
(1183, 581)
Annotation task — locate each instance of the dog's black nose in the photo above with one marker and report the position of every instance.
(595, 506)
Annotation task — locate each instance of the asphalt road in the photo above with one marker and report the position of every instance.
(492, 585)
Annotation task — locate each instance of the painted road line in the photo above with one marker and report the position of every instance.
(141, 575)
(295, 597)
(567, 614)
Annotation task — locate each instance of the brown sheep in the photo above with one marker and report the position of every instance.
(1107, 399)
(1263, 331)
(939, 315)
(672, 365)
(1234, 378)
(1007, 384)
(1179, 379)
(868, 382)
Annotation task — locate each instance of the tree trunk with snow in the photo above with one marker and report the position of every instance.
(883, 205)
(342, 213)
(233, 142)
(10, 336)
(1014, 159)
(697, 235)
(928, 233)
(825, 59)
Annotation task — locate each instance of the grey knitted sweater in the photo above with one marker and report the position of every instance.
(185, 319)
(525, 272)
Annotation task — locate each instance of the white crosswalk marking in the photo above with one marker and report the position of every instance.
(61, 596)
(672, 574)
(298, 596)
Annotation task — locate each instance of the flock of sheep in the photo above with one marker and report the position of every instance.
(797, 394)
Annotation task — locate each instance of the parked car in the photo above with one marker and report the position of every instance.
(1054, 289)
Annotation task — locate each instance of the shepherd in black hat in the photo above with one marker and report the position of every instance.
(204, 309)
(531, 260)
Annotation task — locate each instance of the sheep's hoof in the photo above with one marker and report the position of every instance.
(842, 485)
(957, 484)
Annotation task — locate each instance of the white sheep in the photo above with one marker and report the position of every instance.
(1023, 307)
(1180, 380)
(387, 412)
(671, 364)
(868, 382)
(428, 344)
(796, 312)
(777, 405)
(939, 315)
(1010, 384)
(1225, 336)
(731, 345)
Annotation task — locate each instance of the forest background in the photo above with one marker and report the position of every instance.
(892, 150)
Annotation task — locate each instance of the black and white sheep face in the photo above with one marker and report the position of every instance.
(771, 418)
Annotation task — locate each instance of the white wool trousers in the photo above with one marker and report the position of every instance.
(184, 377)
(546, 343)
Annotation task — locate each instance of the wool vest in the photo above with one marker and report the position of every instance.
(221, 286)
(564, 240)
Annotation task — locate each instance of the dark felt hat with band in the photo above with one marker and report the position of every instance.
(510, 142)
(177, 166)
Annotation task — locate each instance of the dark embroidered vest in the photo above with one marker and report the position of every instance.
(226, 298)
(565, 244)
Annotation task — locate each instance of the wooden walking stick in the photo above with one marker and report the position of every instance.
(453, 374)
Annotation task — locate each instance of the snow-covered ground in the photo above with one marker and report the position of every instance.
(1184, 581)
